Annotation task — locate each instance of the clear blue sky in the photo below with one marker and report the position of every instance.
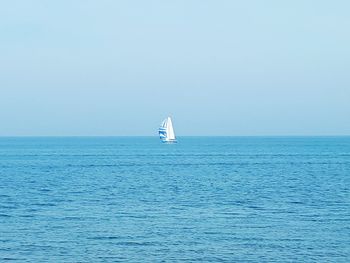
(218, 67)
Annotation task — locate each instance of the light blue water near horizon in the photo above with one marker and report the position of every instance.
(205, 199)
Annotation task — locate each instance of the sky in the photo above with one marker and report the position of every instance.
(95, 68)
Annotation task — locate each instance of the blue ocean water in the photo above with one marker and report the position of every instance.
(205, 199)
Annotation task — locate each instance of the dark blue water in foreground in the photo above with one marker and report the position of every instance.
(206, 199)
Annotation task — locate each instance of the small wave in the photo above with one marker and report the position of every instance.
(5, 215)
(104, 238)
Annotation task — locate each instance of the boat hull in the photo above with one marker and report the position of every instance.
(169, 141)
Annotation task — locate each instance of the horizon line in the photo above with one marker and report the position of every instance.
(277, 135)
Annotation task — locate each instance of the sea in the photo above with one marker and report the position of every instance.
(203, 199)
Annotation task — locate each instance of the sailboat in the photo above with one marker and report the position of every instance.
(166, 131)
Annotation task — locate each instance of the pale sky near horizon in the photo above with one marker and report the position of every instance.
(217, 67)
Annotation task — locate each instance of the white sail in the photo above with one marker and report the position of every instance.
(166, 131)
(170, 129)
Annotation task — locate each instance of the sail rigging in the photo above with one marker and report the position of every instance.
(166, 131)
